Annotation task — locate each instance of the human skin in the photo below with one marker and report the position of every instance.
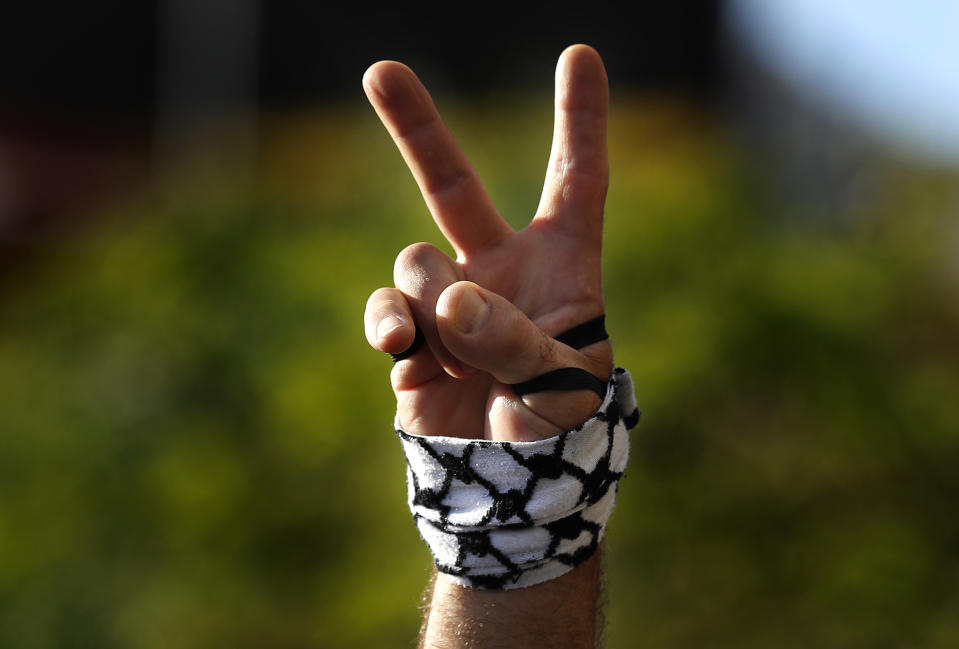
(489, 317)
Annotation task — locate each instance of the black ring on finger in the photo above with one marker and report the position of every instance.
(418, 340)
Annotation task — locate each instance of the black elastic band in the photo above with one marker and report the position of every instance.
(585, 334)
(418, 340)
(565, 378)
(571, 378)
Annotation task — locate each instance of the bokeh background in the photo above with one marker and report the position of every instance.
(195, 202)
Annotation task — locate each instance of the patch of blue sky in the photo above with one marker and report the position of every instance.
(891, 65)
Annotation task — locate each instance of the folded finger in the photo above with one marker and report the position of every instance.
(421, 272)
(388, 321)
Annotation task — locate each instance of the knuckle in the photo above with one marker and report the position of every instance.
(378, 296)
(423, 268)
(413, 261)
(417, 254)
(380, 300)
(547, 348)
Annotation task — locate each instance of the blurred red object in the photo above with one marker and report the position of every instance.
(53, 175)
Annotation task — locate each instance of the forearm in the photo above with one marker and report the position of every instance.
(560, 613)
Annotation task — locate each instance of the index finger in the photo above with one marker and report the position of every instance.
(454, 194)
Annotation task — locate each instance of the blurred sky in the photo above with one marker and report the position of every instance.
(893, 66)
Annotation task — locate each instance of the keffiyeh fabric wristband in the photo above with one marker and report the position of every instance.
(503, 515)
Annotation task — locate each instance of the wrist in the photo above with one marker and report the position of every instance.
(561, 613)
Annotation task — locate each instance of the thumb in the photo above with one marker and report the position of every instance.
(486, 331)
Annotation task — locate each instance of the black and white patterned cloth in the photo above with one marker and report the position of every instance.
(502, 515)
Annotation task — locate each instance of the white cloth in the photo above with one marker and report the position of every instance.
(512, 514)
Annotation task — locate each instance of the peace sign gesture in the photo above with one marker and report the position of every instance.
(489, 316)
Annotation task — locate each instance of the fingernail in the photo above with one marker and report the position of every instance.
(471, 312)
(388, 325)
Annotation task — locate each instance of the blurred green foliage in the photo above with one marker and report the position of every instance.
(196, 445)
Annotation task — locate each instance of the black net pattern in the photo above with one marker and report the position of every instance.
(511, 514)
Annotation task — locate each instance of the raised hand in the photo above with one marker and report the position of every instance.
(488, 316)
